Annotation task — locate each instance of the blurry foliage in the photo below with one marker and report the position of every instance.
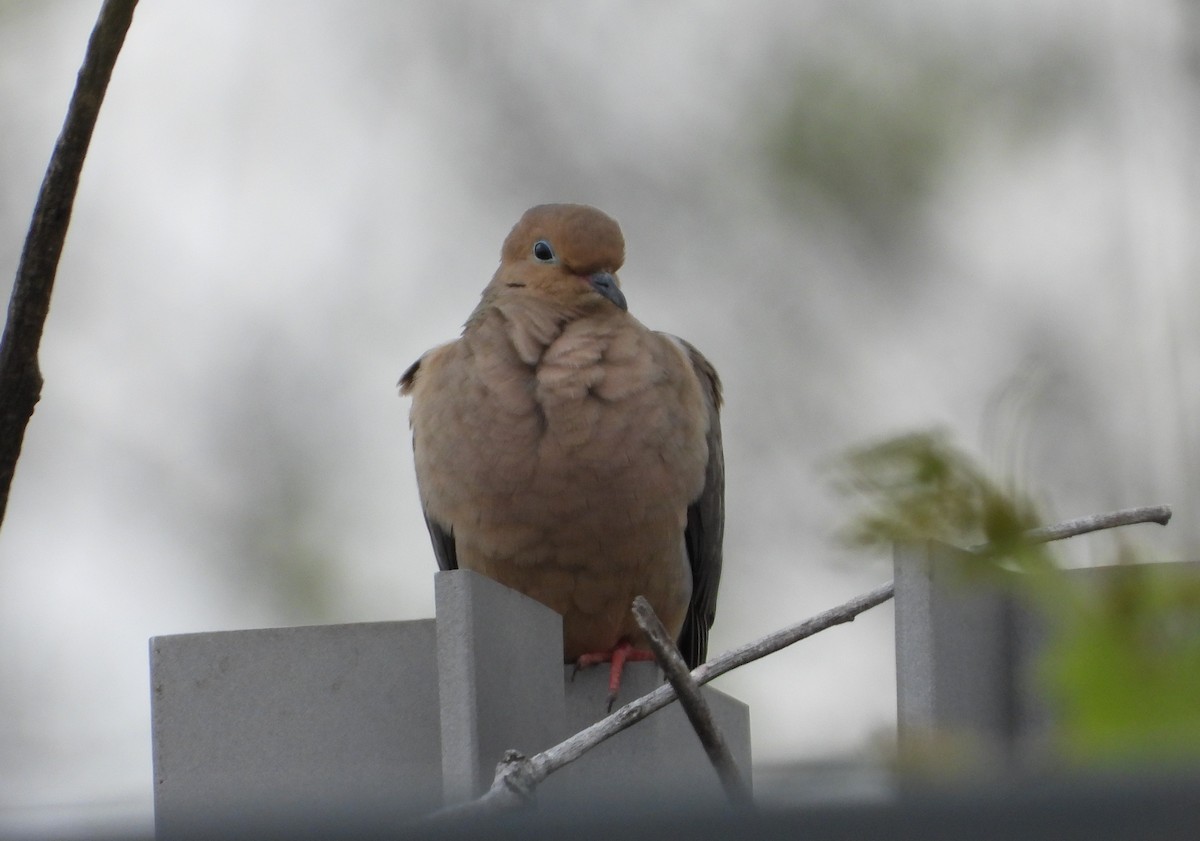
(1122, 668)
(276, 532)
(277, 545)
(869, 139)
(869, 149)
(920, 487)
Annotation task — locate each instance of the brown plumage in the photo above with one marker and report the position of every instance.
(567, 451)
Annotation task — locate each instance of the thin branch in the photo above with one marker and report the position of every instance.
(20, 377)
(693, 703)
(517, 776)
(1160, 514)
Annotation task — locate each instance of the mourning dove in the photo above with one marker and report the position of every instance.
(569, 452)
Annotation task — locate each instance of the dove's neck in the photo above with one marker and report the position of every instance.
(532, 324)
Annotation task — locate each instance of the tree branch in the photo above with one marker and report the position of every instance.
(517, 776)
(693, 703)
(1160, 514)
(20, 377)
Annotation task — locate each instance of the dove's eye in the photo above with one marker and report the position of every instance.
(543, 252)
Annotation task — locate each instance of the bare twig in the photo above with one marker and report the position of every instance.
(779, 640)
(504, 792)
(517, 776)
(20, 377)
(1160, 514)
(693, 703)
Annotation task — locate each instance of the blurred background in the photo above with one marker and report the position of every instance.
(872, 217)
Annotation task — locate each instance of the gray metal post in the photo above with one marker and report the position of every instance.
(246, 724)
(500, 678)
(372, 718)
(967, 656)
(955, 653)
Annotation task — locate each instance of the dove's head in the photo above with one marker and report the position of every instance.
(566, 253)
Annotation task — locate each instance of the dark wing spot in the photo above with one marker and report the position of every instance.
(444, 548)
(409, 377)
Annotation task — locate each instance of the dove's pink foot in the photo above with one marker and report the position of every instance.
(622, 653)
